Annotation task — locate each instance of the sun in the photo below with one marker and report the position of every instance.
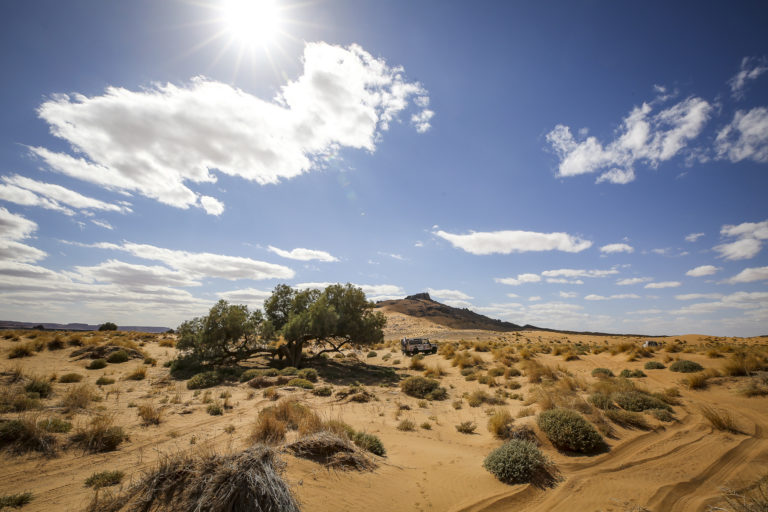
(251, 22)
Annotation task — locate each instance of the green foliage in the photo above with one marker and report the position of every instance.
(97, 364)
(627, 419)
(467, 427)
(372, 353)
(104, 479)
(204, 380)
(228, 334)
(103, 381)
(40, 386)
(214, 409)
(685, 366)
(68, 378)
(568, 430)
(301, 383)
(55, 425)
(632, 374)
(422, 387)
(108, 326)
(515, 462)
(369, 442)
(15, 500)
(323, 391)
(289, 370)
(637, 401)
(602, 372)
(654, 365)
(118, 356)
(601, 401)
(309, 374)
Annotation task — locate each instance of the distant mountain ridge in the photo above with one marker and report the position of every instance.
(11, 324)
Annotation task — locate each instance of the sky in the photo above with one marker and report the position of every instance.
(581, 165)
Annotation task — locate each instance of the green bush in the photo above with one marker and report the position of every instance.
(323, 391)
(654, 365)
(215, 409)
(372, 353)
(118, 356)
(627, 419)
(97, 364)
(55, 425)
(15, 500)
(104, 479)
(68, 378)
(108, 326)
(301, 383)
(568, 430)
(369, 442)
(249, 374)
(422, 387)
(289, 370)
(684, 366)
(632, 374)
(309, 374)
(637, 401)
(466, 427)
(601, 401)
(515, 462)
(602, 372)
(204, 380)
(40, 386)
(103, 381)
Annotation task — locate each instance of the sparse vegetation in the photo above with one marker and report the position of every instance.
(25, 435)
(422, 387)
(627, 419)
(15, 500)
(654, 365)
(118, 356)
(99, 435)
(516, 461)
(467, 427)
(500, 423)
(139, 373)
(149, 414)
(102, 479)
(568, 430)
(406, 425)
(68, 378)
(204, 380)
(97, 364)
(719, 419)
(685, 366)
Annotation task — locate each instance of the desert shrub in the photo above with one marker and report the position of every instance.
(166, 342)
(632, 374)
(662, 415)
(602, 373)
(535, 372)
(309, 374)
(627, 419)
(23, 350)
(301, 383)
(467, 427)
(104, 381)
(250, 374)
(434, 371)
(70, 377)
(99, 435)
(421, 387)
(15, 399)
(482, 346)
(638, 401)
(750, 499)
(39, 385)
(323, 391)
(426, 425)
(97, 364)
(215, 409)
(456, 404)
(406, 425)
(685, 366)
(500, 423)
(55, 425)
(108, 326)
(372, 353)
(204, 380)
(601, 401)
(417, 362)
(755, 387)
(149, 414)
(654, 365)
(26, 435)
(719, 419)
(515, 462)
(568, 430)
(79, 397)
(332, 451)
(137, 374)
(289, 370)
(268, 429)
(102, 479)
(15, 500)
(55, 344)
(118, 356)
(150, 361)
(743, 363)
(697, 380)
(369, 442)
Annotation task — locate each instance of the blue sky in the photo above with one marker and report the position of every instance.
(577, 165)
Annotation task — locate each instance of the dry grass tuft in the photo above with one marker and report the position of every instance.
(500, 423)
(26, 434)
(99, 435)
(331, 450)
(149, 414)
(79, 397)
(721, 420)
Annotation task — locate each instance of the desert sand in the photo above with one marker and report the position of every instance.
(682, 465)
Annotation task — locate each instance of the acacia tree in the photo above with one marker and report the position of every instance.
(228, 334)
(330, 319)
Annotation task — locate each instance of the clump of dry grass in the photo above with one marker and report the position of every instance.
(26, 434)
(744, 363)
(150, 414)
(753, 498)
(417, 363)
(755, 387)
(500, 423)
(406, 425)
(719, 419)
(102, 479)
(627, 419)
(536, 372)
(268, 430)
(331, 450)
(79, 397)
(139, 373)
(699, 380)
(250, 480)
(99, 435)
(467, 427)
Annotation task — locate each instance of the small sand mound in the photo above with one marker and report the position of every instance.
(331, 450)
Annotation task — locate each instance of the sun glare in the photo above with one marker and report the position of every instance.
(252, 22)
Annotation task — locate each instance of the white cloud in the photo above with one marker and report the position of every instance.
(633, 280)
(421, 120)
(703, 270)
(12, 229)
(203, 264)
(304, 254)
(643, 137)
(693, 237)
(249, 296)
(567, 295)
(534, 298)
(458, 304)
(374, 292)
(102, 224)
(737, 300)
(134, 277)
(749, 275)
(512, 295)
(560, 280)
(507, 242)
(746, 137)
(18, 195)
(612, 297)
(573, 272)
(698, 296)
(449, 294)
(664, 284)
(750, 69)
(614, 248)
(159, 140)
(520, 279)
(211, 205)
(53, 197)
(748, 244)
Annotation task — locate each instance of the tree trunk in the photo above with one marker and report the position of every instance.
(294, 354)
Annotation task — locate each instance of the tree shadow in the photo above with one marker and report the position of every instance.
(345, 372)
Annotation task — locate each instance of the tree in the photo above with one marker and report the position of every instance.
(228, 334)
(337, 316)
(108, 326)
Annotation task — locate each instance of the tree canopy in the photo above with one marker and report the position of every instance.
(108, 326)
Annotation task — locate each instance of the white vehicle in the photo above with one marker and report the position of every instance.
(651, 343)
(411, 346)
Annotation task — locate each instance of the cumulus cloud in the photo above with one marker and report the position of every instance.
(202, 264)
(699, 296)
(737, 300)
(12, 229)
(612, 297)
(703, 270)
(374, 292)
(302, 254)
(750, 275)
(26, 191)
(134, 277)
(567, 295)
(749, 237)
(507, 242)
(693, 237)
(633, 280)
(750, 69)
(574, 272)
(248, 296)
(643, 137)
(614, 248)
(664, 284)
(520, 279)
(211, 205)
(449, 294)
(159, 140)
(561, 280)
(745, 137)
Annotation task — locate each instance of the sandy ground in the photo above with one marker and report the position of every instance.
(681, 465)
